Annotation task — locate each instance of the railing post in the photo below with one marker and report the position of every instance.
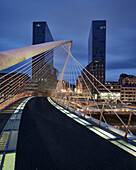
(85, 111)
(101, 115)
(63, 100)
(75, 95)
(129, 120)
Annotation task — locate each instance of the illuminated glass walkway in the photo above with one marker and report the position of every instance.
(10, 121)
(51, 139)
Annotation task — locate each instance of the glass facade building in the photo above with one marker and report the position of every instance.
(97, 42)
(96, 54)
(44, 75)
(97, 48)
(41, 34)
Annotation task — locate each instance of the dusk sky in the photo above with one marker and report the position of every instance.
(71, 20)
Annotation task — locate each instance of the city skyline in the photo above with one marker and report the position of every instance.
(72, 20)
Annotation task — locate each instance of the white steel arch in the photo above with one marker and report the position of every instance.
(11, 57)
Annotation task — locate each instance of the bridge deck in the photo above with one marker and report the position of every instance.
(48, 139)
(6, 113)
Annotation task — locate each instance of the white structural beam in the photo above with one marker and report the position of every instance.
(11, 57)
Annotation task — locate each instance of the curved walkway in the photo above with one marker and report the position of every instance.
(48, 139)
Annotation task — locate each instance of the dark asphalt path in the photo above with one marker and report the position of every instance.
(50, 140)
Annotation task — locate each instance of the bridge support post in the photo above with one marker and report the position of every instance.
(75, 105)
(69, 100)
(101, 115)
(129, 120)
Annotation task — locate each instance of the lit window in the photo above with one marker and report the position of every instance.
(111, 87)
(102, 27)
(37, 25)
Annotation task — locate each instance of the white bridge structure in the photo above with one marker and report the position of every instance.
(18, 73)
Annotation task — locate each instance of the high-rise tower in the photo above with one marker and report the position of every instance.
(97, 53)
(97, 42)
(44, 75)
(41, 34)
(97, 49)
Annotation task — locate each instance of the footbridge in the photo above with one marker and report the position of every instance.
(51, 119)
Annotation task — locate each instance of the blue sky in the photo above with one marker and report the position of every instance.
(71, 20)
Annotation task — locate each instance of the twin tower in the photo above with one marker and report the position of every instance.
(96, 46)
(97, 53)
